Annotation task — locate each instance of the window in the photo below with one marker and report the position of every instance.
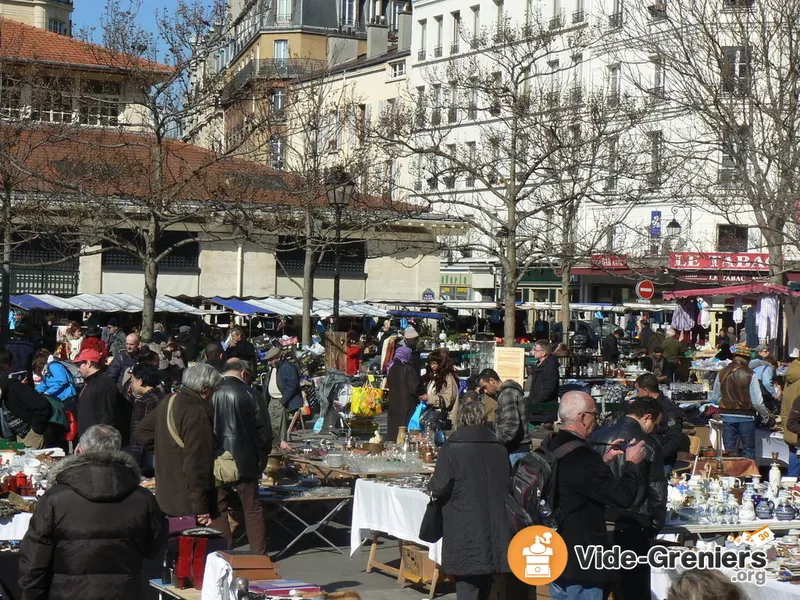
(612, 164)
(99, 103)
(349, 13)
(419, 116)
(278, 101)
(576, 93)
(389, 176)
(733, 150)
(281, 50)
(276, 152)
(658, 77)
(735, 70)
(51, 101)
(183, 258)
(10, 97)
(283, 13)
(418, 173)
(57, 26)
(500, 13)
(494, 106)
(423, 38)
(361, 123)
(450, 178)
(437, 51)
(476, 27)
(470, 181)
(579, 16)
(732, 238)
(436, 113)
(658, 10)
(291, 253)
(553, 95)
(456, 32)
(397, 69)
(737, 4)
(617, 13)
(656, 142)
(472, 109)
(614, 84)
(433, 173)
(556, 21)
(452, 110)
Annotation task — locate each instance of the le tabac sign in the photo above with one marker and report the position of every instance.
(719, 261)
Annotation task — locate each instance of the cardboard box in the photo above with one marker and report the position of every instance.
(253, 566)
(416, 564)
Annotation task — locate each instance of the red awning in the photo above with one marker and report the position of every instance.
(748, 289)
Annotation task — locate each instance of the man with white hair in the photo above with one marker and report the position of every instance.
(585, 487)
(93, 527)
(672, 349)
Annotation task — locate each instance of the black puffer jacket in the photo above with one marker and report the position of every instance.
(471, 482)
(26, 404)
(544, 381)
(649, 507)
(91, 531)
(97, 402)
(242, 426)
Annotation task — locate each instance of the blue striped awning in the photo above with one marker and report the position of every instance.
(240, 306)
(30, 302)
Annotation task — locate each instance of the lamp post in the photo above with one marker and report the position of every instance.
(340, 189)
(673, 227)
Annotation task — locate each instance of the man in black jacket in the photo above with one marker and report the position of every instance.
(22, 351)
(240, 347)
(242, 427)
(93, 527)
(26, 412)
(585, 487)
(610, 349)
(98, 399)
(123, 361)
(215, 356)
(544, 378)
(669, 432)
(635, 528)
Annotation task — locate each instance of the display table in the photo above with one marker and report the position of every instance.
(170, 591)
(767, 442)
(289, 504)
(15, 527)
(391, 510)
(699, 528)
(661, 580)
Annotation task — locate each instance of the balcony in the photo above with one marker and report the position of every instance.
(419, 118)
(450, 182)
(283, 19)
(658, 10)
(421, 54)
(270, 68)
(475, 42)
(613, 99)
(552, 99)
(576, 95)
(735, 86)
(472, 112)
(737, 4)
(657, 93)
(437, 52)
(728, 177)
(454, 48)
(615, 20)
(579, 16)
(556, 22)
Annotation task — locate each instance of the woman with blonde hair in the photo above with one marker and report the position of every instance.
(705, 584)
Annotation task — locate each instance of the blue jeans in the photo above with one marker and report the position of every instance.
(745, 430)
(513, 458)
(572, 590)
(794, 462)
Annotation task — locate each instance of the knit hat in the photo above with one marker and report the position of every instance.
(273, 353)
(760, 348)
(403, 354)
(410, 333)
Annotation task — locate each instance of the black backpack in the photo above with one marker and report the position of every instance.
(533, 480)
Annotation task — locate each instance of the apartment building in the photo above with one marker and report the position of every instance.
(51, 15)
(678, 193)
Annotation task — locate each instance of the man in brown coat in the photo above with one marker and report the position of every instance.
(180, 431)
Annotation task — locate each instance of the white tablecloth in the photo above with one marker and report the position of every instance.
(661, 580)
(392, 510)
(15, 528)
(767, 442)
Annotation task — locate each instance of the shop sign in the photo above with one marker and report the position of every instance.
(719, 261)
(609, 261)
(718, 279)
(655, 224)
(429, 295)
(456, 279)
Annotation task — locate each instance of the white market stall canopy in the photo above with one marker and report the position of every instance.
(103, 303)
(294, 306)
(603, 308)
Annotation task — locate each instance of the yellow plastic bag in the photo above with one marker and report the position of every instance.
(366, 401)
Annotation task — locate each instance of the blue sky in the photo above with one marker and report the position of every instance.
(87, 14)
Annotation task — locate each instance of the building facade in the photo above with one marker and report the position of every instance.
(51, 15)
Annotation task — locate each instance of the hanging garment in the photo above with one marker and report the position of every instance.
(792, 312)
(738, 313)
(767, 318)
(750, 327)
(705, 313)
(683, 318)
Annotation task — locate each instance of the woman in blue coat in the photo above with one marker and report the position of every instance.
(56, 381)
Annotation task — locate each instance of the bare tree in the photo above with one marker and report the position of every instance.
(723, 78)
(515, 141)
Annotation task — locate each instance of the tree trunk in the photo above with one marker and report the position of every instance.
(308, 283)
(510, 299)
(565, 296)
(150, 284)
(775, 242)
(5, 302)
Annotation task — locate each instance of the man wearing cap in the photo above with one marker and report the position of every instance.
(282, 393)
(114, 338)
(658, 365)
(411, 339)
(763, 367)
(99, 395)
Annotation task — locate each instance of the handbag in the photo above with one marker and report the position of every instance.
(225, 470)
(435, 419)
(366, 401)
(432, 527)
(413, 422)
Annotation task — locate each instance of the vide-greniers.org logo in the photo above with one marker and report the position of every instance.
(662, 557)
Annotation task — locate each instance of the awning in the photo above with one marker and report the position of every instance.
(240, 306)
(104, 303)
(749, 289)
(30, 302)
(410, 314)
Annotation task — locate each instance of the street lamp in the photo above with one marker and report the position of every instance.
(673, 227)
(340, 189)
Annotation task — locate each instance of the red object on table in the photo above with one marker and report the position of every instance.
(191, 563)
(22, 480)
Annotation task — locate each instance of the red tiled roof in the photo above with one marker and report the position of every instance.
(23, 43)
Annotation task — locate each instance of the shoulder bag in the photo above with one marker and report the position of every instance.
(225, 470)
(432, 527)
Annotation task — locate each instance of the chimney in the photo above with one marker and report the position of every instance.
(404, 29)
(377, 37)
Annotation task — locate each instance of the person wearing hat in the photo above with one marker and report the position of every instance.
(763, 367)
(282, 393)
(658, 365)
(114, 337)
(188, 342)
(22, 351)
(790, 414)
(98, 398)
(92, 341)
(411, 339)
